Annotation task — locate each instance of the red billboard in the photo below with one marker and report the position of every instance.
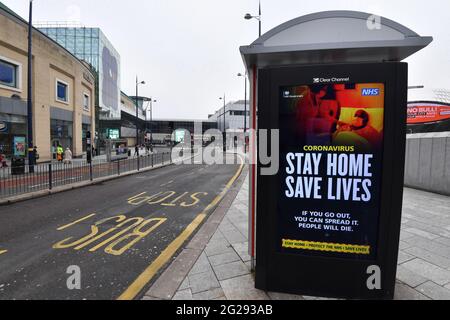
(424, 112)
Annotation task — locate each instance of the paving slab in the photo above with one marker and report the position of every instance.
(242, 288)
(223, 258)
(202, 265)
(428, 271)
(203, 282)
(230, 270)
(409, 277)
(405, 292)
(434, 291)
(209, 295)
(183, 295)
(431, 257)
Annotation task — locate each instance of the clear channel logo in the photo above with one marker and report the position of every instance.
(331, 80)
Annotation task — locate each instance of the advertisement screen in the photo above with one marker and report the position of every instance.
(331, 150)
(109, 79)
(19, 146)
(420, 113)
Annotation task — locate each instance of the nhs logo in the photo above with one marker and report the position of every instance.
(370, 92)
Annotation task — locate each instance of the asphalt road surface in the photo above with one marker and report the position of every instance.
(109, 234)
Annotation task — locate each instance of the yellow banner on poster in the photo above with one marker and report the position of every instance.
(324, 246)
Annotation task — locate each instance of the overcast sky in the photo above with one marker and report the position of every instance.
(188, 50)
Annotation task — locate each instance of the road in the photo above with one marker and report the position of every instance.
(112, 232)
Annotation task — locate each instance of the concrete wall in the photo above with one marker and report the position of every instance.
(427, 164)
(50, 62)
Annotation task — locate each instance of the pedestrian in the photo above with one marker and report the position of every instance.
(68, 156)
(136, 150)
(36, 154)
(3, 163)
(59, 153)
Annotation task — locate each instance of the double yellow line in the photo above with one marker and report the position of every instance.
(133, 290)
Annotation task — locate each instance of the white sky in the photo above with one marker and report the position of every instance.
(188, 50)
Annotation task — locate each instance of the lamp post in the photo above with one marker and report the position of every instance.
(245, 109)
(224, 115)
(137, 110)
(151, 122)
(31, 153)
(248, 16)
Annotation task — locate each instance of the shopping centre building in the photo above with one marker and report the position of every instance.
(63, 92)
(91, 45)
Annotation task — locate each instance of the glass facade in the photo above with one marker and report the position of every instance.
(61, 132)
(82, 42)
(91, 45)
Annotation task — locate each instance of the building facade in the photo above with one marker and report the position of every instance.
(63, 92)
(234, 116)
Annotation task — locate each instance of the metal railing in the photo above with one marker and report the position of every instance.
(21, 180)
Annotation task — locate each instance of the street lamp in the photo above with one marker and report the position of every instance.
(248, 16)
(224, 115)
(245, 109)
(137, 110)
(31, 153)
(151, 121)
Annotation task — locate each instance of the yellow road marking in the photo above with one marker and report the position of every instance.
(75, 222)
(3, 251)
(133, 290)
(148, 273)
(133, 197)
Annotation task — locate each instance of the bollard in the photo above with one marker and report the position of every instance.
(50, 178)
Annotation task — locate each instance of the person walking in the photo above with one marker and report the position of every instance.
(68, 156)
(136, 150)
(3, 163)
(59, 153)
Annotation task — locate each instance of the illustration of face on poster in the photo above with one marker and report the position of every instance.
(331, 138)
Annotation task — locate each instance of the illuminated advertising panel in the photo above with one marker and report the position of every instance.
(330, 167)
(329, 200)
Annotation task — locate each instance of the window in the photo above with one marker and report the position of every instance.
(86, 102)
(8, 74)
(62, 94)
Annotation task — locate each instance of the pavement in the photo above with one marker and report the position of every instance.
(220, 270)
(121, 234)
